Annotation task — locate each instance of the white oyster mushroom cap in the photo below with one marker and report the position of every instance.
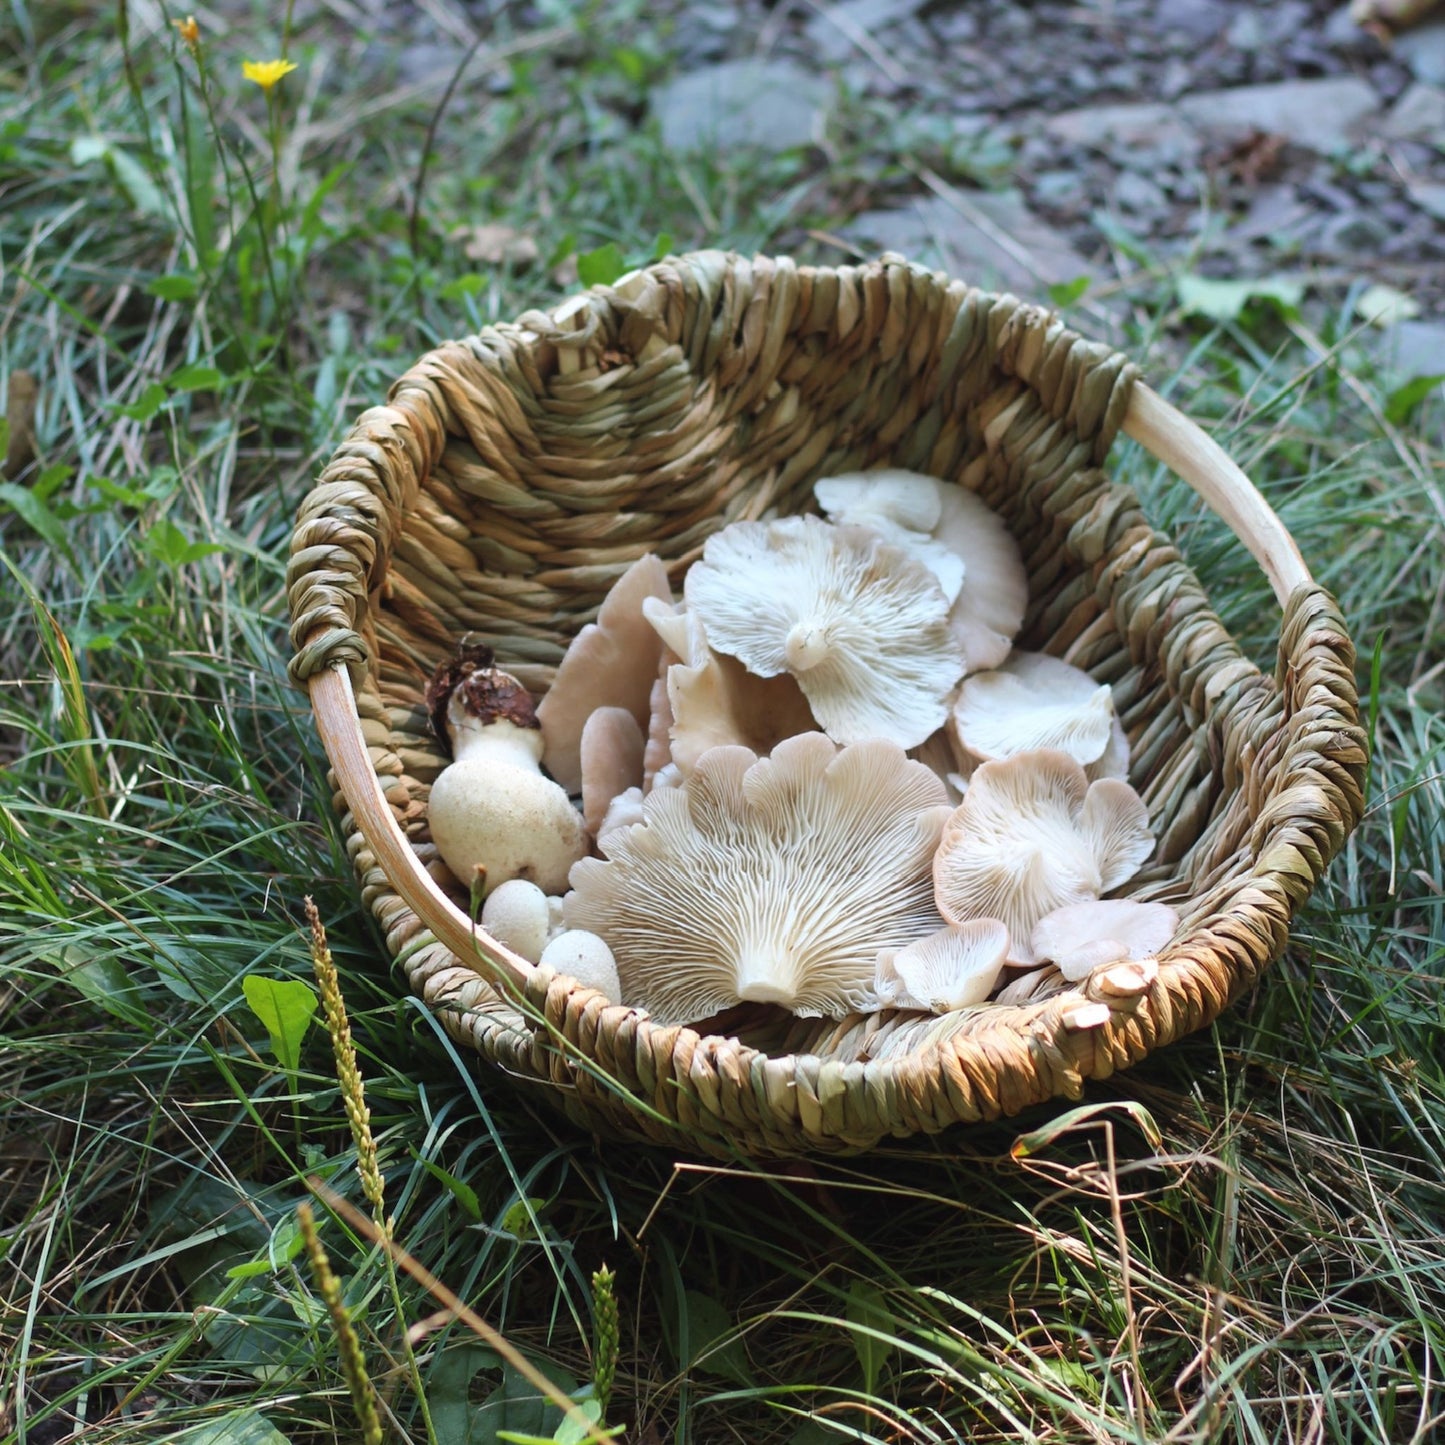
(1080, 938)
(861, 624)
(771, 881)
(1033, 835)
(903, 508)
(713, 700)
(1036, 701)
(516, 914)
(955, 968)
(622, 812)
(990, 609)
(934, 516)
(586, 958)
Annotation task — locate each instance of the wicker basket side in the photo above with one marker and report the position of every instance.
(510, 478)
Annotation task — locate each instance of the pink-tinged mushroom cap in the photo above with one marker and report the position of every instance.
(860, 624)
(611, 756)
(1033, 835)
(1082, 937)
(771, 881)
(611, 663)
(956, 967)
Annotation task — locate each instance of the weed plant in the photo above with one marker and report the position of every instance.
(207, 278)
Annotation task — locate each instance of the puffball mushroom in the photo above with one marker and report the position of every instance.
(517, 915)
(937, 519)
(586, 958)
(1032, 835)
(611, 663)
(956, 967)
(1035, 701)
(1082, 937)
(862, 625)
(491, 808)
(769, 881)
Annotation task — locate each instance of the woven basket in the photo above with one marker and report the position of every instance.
(510, 479)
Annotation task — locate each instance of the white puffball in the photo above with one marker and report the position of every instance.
(587, 958)
(516, 913)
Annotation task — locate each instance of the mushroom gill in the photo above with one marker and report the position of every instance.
(772, 881)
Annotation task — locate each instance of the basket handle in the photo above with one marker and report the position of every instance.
(1197, 459)
(1162, 430)
(335, 707)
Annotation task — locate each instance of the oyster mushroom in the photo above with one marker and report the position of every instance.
(771, 881)
(903, 508)
(1035, 701)
(860, 624)
(611, 663)
(714, 700)
(1083, 936)
(610, 753)
(932, 518)
(491, 812)
(954, 968)
(1033, 835)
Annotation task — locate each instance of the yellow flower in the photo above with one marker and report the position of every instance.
(266, 73)
(189, 31)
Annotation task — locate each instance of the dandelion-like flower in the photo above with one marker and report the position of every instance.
(267, 73)
(189, 31)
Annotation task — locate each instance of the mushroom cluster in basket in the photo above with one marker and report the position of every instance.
(823, 780)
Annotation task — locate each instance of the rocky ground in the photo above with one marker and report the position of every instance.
(1030, 145)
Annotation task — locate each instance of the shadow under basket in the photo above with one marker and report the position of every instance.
(511, 478)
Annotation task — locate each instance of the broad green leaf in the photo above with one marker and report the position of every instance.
(448, 1387)
(662, 246)
(515, 1406)
(285, 1007)
(167, 543)
(462, 1192)
(517, 1220)
(1038, 1139)
(101, 978)
(40, 518)
(246, 1427)
(177, 287)
(1403, 400)
(868, 1308)
(150, 401)
(712, 1344)
(1065, 293)
(470, 283)
(1383, 305)
(602, 266)
(1225, 300)
(197, 378)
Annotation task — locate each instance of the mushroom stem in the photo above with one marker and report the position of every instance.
(806, 646)
(760, 979)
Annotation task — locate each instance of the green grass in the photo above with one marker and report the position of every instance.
(1267, 1266)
